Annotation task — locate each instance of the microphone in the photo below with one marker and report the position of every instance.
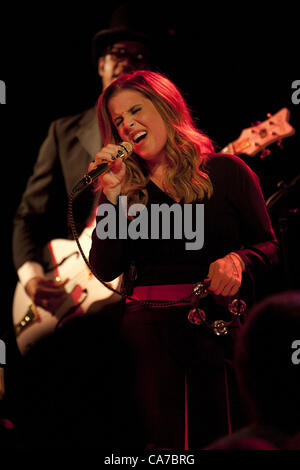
(123, 153)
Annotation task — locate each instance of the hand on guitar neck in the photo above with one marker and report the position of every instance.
(46, 293)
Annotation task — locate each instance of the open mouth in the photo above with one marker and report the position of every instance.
(139, 137)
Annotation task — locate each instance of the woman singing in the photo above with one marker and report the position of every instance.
(183, 383)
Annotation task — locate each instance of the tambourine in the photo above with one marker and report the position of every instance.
(197, 316)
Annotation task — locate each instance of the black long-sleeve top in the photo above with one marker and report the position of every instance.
(235, 219)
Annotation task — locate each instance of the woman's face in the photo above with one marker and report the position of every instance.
(138, 122)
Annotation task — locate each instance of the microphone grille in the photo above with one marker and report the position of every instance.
(127, 147)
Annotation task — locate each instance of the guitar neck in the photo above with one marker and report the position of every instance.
(255, 139)
(237, 147)
(228, 149)
(242, 145)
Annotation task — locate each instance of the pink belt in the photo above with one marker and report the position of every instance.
(166, 292)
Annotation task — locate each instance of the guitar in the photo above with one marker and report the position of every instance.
(85, 292)
(255, 139)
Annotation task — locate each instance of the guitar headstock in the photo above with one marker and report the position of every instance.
(255, 139)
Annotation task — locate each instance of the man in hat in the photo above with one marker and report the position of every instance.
(64, 157)
(120, 50)
(57, 392)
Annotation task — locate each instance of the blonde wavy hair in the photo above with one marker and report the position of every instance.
(186, 146)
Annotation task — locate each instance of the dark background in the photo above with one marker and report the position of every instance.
(233, 67)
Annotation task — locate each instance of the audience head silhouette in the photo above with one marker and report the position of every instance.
(267, 373)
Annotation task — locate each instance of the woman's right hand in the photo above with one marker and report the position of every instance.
(111, 180)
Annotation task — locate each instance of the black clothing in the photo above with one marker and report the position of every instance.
(235, 219)
(179, 365)
(71, 144)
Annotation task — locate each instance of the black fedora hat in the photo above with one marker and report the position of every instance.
(126, 24)
(110, 36)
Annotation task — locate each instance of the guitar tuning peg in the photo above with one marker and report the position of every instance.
(265, 153)
(279, 144)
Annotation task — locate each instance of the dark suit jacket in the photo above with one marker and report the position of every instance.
(64, 157)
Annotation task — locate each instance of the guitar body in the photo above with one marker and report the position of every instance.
(86, 294)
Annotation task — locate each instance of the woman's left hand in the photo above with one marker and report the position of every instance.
(225, 275)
